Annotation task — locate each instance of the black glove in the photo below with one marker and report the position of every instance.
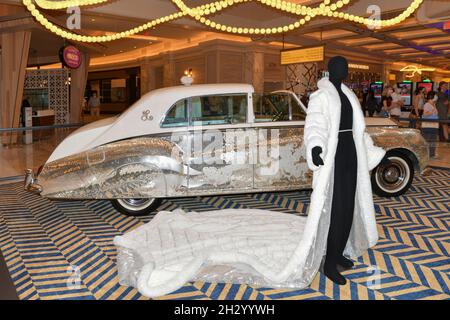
(385, 162)
(317, 160)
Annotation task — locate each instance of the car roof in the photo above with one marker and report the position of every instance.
(203, 89)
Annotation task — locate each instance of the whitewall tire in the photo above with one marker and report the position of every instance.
(136, 207)
(394, 179)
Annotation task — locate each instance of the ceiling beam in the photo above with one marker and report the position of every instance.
(418, 36)
(387, 38)
(332, 44)
(402, 29)
(16, 23)
(432, 43)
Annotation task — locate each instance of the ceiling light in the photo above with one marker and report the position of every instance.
(199, 13)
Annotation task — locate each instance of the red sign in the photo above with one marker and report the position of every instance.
(70, 57)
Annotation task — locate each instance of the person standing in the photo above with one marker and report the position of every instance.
(442, 107)
(430, 130)
(371, 103)
(386, 102)
(417, 107)
(25, 104)
(94, 104)
(395, 110)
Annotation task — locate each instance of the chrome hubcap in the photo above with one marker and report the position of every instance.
(395, 176)
(392, 174)
(136, 204)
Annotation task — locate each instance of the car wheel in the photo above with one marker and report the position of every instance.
(136, 207)
(394, 179)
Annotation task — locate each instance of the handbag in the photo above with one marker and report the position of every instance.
(412, 114)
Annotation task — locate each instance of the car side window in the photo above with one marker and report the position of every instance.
(279, 106)
(177, 115)
(219, 109)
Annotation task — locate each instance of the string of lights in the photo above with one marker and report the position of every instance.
(200, 14)
(57, 5)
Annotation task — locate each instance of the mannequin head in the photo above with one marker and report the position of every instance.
(338, 69)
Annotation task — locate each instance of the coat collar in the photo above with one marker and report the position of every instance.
(335, 103)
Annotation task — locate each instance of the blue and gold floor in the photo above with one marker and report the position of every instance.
(64, 250)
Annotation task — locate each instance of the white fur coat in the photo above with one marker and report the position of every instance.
(321, 129)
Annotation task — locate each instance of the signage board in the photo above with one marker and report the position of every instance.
(302, 55)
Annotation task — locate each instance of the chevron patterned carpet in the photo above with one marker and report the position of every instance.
(64, 250)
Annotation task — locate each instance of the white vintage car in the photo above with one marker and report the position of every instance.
(205, 140)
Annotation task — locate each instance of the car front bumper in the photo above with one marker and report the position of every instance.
(30, 182)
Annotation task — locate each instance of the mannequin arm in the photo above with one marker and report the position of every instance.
(374, 154)
(316, 129)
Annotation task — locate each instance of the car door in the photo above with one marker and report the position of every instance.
(220, 137)
(281, 159)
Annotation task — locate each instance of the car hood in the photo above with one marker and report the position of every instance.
(80, 139)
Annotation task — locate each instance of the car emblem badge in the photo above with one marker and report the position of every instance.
(146, 116)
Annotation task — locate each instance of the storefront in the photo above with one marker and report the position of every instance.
(117, 89)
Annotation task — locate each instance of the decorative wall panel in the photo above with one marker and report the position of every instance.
(56, 81)
(301, 78)
(273, 70)
(231, 67)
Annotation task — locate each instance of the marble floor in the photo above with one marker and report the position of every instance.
(15, 158)
(442, 158)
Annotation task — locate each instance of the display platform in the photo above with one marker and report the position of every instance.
(64, 250)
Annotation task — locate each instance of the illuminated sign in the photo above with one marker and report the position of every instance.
(358, 66)
(302, 55)
(70, 57)
(414, 69)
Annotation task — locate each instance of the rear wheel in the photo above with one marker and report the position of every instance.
(394, 179)
(136, 207)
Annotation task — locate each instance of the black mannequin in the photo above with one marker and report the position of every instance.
(345, 174)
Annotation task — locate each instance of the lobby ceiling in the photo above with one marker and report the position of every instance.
(410, 41)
